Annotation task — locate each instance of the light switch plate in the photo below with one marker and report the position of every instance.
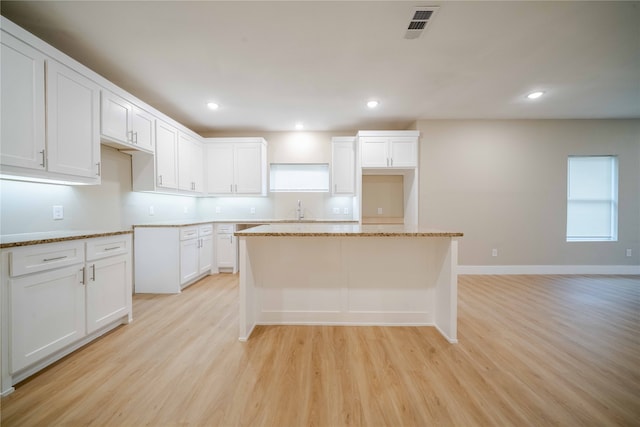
(253, 211)
(151, 210)
(218, 210)
(345, 211)
(379, 211)
(336, 210)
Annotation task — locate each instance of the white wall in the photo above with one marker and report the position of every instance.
(504, 185)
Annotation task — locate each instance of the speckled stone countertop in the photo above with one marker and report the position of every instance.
(344, 230)
(188, 222)
(26, 239)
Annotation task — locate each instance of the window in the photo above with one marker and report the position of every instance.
(592, 199)
(299, 177)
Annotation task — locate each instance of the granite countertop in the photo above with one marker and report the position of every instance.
(344, 230)
(26, 239)
(188, 222)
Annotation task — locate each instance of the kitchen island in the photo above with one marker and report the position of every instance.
(324, 274)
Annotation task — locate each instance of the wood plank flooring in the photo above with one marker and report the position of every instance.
(533, 351)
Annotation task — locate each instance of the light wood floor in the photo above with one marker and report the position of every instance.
(534, 350)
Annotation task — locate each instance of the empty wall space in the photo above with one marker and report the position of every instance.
(383, 198)
(504, 184)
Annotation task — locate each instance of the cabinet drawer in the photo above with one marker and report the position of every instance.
(225, 228)
(107, 246)
(31, 259)
(188, 233)
(205, 230)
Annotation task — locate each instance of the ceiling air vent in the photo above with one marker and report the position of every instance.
(420, 17)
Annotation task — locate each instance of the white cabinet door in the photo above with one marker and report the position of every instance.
(219, 158)
(374, 152)
(115, 118)
(189, 164)
(343, 167)
(197, 166)
(108, 290)
(143, 127)
(184, 162)
(206, 253)
(47, 314)
(22, 105)
(166, 155)
(248, 168)
(404, 152)
(189, 254)
(73, 123)
(225, 249)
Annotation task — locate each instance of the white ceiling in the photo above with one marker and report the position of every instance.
(270, 64)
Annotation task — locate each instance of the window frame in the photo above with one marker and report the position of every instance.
(612, 201)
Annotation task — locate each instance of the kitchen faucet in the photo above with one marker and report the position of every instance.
(299, 211)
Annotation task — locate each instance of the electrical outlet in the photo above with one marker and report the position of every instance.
(218, 209)
(336, 210)
(58, 212)
(345, 211)
(379, 211)
(629, 251)
(494, 252)
(151, 210)
(252, 211)
(186, 209)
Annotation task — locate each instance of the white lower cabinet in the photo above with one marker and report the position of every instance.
(170, 258)
(47, 314)
(226, 248)
(61, 296)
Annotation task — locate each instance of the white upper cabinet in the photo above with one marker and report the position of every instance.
(219, 161)
(166, 155)
(73, 121)
(22, 97)
(343, 165)
(144, 129)
(250, 168)
(190, 162)
(388, 149)
(125, 125)
(236, 166)
(66, 146)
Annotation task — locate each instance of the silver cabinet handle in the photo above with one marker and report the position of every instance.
(135, 137)
(83, 275)
(335, 188)
(236, 188)
(130, 136)
(110, 249)
(43, 159)
(54, 259)
(392, 161)
(231, 188)
(99, 169)
(231, 238)
(160, 179)
(93, 271)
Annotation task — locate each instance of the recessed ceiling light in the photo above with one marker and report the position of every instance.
(372, 104)
(299, 126)
(212, 106)
(535, 95)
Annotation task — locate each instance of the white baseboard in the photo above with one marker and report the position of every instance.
(549, 269)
